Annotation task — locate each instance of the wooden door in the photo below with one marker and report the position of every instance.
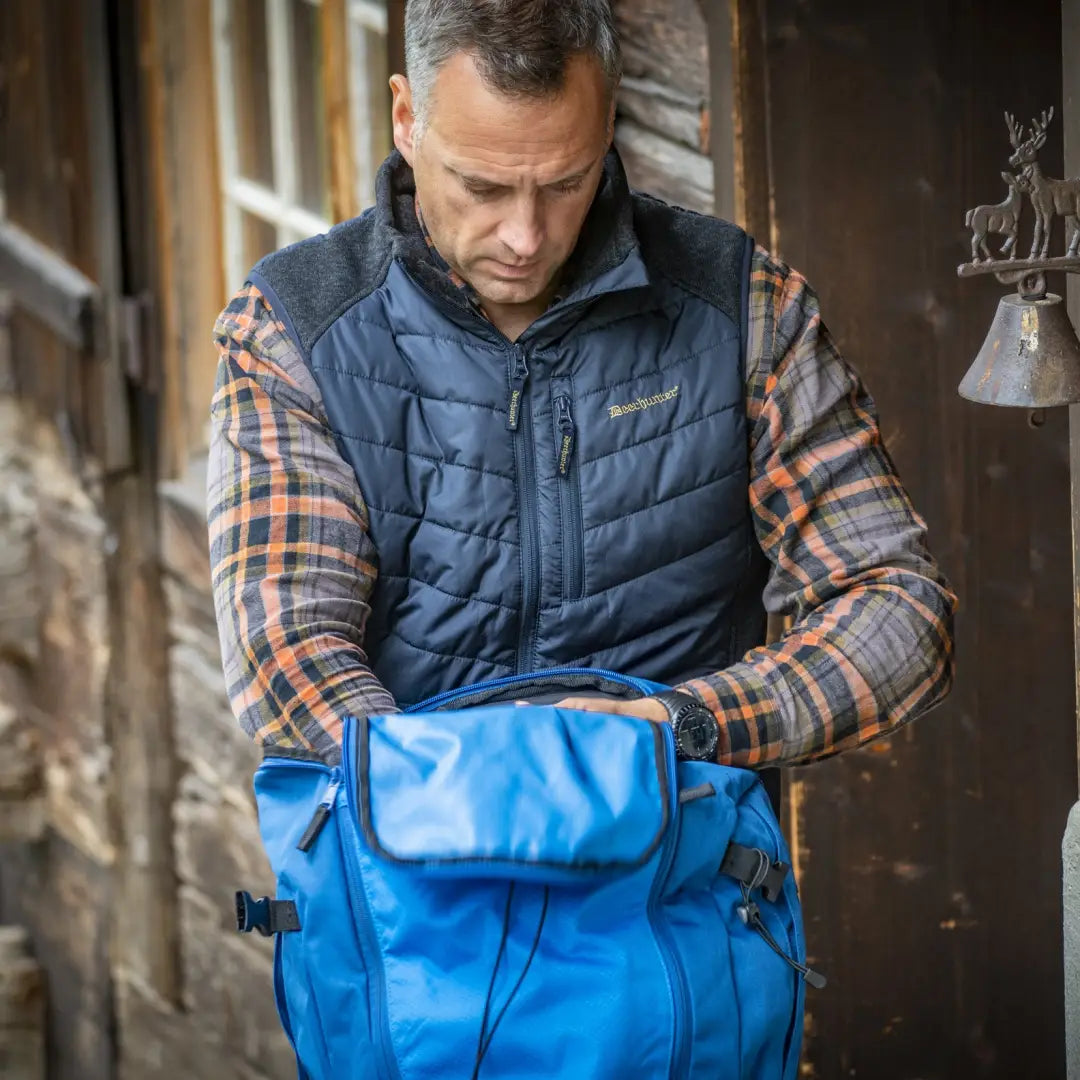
(75, 284)
(930, 863)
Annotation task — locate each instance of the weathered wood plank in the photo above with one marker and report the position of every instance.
(917, 852)
(144, 770)
(335, 49)
(49, 287)
(665, 40)
(750, 121)
(108, 420)
(183, 252)
(664, 168)
(395, 37)
(1070, 119)
(664, 108)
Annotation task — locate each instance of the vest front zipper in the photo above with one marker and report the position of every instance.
(519, 375)
(573, 556)
(519, 420)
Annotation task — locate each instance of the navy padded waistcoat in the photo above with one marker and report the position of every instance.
(578, 497)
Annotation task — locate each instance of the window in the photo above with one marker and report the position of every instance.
(275, 63)
(368, 93)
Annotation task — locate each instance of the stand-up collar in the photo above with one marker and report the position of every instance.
(607, 236)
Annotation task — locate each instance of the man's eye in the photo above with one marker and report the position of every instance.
(568, 188)
(480, 191)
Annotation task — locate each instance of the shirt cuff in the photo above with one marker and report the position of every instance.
(747, 711)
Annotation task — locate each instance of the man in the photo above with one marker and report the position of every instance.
(518, 418)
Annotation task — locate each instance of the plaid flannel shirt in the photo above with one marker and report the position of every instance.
(870, 645)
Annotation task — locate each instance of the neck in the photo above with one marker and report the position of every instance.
(514, 319)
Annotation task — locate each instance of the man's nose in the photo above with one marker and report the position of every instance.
(522, 231)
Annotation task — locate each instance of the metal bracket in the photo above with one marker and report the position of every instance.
(133, 321)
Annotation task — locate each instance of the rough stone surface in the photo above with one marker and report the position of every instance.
(22, 1008)
(59, 870)
(228, 978)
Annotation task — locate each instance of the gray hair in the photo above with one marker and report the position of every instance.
(521, 47)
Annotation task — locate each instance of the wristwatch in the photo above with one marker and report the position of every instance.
(694, 726)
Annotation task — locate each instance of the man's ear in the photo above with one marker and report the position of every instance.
(403, 117)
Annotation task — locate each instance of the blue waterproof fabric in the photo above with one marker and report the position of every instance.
(463, 842)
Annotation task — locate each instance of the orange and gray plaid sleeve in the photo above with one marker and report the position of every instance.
(292, 563)
(870, 646)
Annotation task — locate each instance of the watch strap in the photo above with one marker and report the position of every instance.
(675, 701)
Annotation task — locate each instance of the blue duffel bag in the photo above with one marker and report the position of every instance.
(491, 889)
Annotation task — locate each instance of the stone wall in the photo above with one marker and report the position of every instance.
(59, 876)
(56, 854)
(225, 1023)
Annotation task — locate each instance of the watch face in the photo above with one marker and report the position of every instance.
(697, 734)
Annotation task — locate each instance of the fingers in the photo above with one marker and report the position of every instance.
(590, 704)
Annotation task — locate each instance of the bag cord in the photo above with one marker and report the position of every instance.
(486, 1036)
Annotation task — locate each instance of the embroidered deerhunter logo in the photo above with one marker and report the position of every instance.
(643, 403)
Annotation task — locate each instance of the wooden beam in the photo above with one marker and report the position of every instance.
(739, 121)
(721, 107)
(395, 37)
(145, 942)
(334, 26)
(1070, 120)
(112, 429)
(49, 287)
(751, 122)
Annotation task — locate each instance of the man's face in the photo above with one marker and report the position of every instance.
(504, 183)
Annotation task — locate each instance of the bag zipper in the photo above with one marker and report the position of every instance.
(369, 944)
(798, 961)
(569, 498)
(509, 680)
(369, 949)
(322, 811)
(673, 970)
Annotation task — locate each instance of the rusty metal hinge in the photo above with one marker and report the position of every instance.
(133, 323)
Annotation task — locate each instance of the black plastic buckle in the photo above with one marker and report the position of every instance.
(264, 915)
(751, 866)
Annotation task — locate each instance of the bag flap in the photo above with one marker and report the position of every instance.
(513, 790)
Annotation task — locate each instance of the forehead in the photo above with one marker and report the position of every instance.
(476, 126)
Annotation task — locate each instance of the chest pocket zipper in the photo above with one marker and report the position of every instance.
(573, 556)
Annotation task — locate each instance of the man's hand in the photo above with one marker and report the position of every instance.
(644, 708)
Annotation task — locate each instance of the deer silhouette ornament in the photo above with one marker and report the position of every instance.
(1002, 218)
(1048, 196)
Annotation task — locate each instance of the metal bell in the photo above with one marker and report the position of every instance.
(1030, 358)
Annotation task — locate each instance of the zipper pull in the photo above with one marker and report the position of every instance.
(322, 813)
(519, 372)
(750, 915)
(564, 417)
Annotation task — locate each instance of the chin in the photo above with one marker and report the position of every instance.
(511, 292)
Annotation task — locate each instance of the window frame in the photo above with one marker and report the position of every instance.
(280, 205)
